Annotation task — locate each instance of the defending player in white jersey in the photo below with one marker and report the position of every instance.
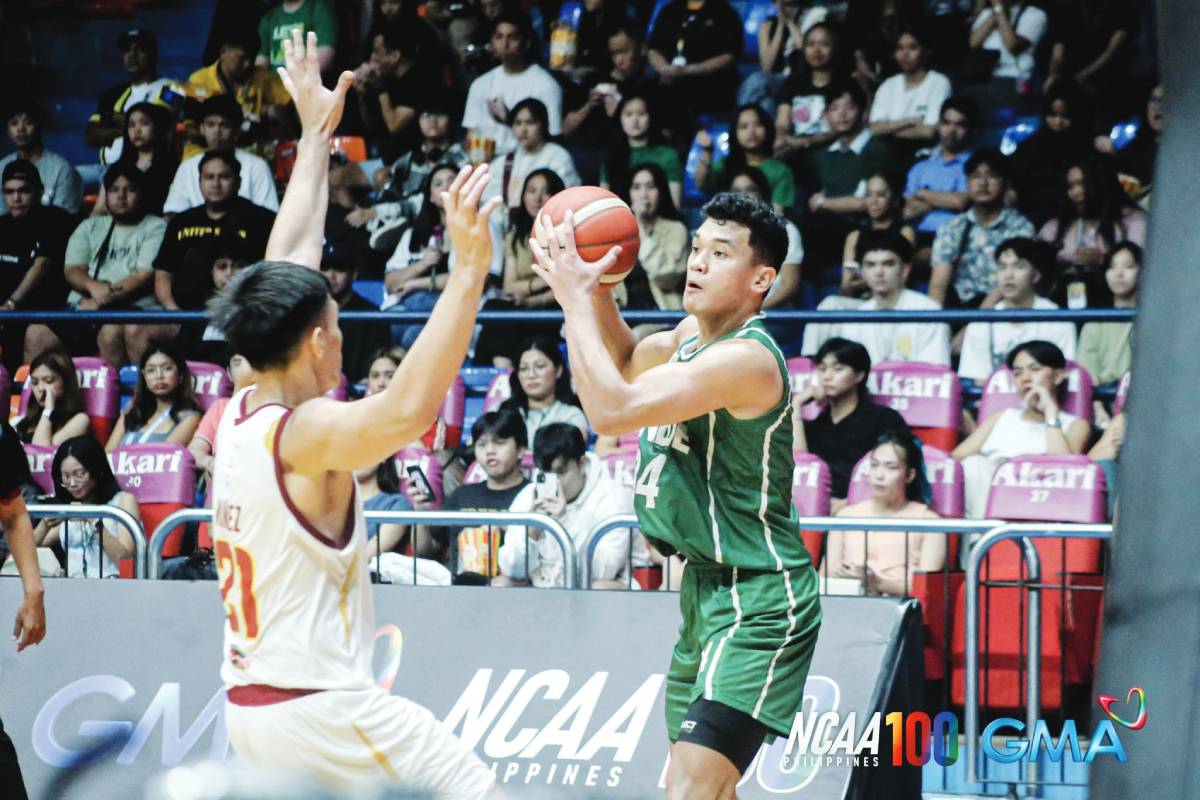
(288, 526)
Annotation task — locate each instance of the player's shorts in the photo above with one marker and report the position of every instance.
(747, 640)
(350, 738)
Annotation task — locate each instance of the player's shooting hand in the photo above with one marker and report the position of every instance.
(467, 223)
(319, 109)
(572, 279)
(30, 627)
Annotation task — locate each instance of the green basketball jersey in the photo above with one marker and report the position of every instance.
(717, 489)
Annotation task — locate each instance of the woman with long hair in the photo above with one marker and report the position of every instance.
(751, 145)
(638, 140)
(663, 239)
(530, 123)
(521, 284)
(885, 212)
(55, 409)
(908, 104)
(885, 563)
(541, 388)
(1039, 166)
(147, 146)
(800, 117)
(81, 474)
(164, 407)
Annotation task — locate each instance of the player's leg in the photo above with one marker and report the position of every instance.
(10, 770)
(716, 744)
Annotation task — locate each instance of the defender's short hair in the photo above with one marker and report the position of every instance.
(555, 441)
(768, 231)
(266, 309)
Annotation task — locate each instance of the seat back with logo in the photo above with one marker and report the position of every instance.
(477, 381)
(428, 463)
(41, 464)
(498, 391)
(621, 466)
(210, 381)
(928, 396)
(810, 493)
(1000, 392)
(446, 431)
(163, 479)
(100, 389)
(804, 373)
(1122, 394)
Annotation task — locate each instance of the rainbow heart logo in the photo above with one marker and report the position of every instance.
(1139, 720)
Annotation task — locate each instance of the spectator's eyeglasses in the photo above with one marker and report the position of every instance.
(79, 476)
(984, 176)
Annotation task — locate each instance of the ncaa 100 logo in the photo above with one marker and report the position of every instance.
(830, 739)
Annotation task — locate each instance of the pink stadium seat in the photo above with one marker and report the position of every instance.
(425, 459)
(210, 382)
(804, 372)
(928, 396)
(621, 466)
(447, 429)
(5, 387)
(810, 493)
(341, 391)
(1065, 488)
(999, 393)
(163, 479)
(41, 462)
(1122, 394)
(629, 441)
(498, 391)
(101, 390)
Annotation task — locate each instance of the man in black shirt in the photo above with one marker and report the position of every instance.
(33, 239)
(30, 626)
(359, 339)
(851, 424)
(694, 47)
(392, 87)
(176, 285)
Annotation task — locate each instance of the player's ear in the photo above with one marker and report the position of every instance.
(764, 276)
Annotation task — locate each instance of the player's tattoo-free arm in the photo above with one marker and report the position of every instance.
(299, 230)
(30, 627)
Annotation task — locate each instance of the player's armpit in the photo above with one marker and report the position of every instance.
(740, 376)
(324, 435)
(657, 348)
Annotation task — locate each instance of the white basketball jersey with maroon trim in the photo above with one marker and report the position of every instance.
(298, 605)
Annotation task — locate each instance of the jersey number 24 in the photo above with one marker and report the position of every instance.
(647, 481)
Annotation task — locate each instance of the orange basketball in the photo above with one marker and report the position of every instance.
(602, 221)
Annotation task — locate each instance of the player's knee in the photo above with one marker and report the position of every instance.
(686, 785)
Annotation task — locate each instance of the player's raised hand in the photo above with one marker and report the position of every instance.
(467, 223)
(319, 109)
(566, 272)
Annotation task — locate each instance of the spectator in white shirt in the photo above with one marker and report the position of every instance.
(1020, 265)
(498, 90)
(530, 125)
(220, 122)
(907, 105)
(1012, 30)
(573, 488)
(886, 259)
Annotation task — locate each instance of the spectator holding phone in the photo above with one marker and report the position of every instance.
(572, 487)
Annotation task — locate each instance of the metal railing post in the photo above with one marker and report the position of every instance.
(119, 515)
(183, 516)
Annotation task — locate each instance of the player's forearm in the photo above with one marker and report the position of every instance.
(18, 532)
(616, 335)
(299, 229)
(604, 392)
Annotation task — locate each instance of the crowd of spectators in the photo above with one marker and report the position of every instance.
(876, 128)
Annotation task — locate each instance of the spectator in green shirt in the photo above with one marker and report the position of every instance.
(641, 142)
(751, 145)
(276, 27)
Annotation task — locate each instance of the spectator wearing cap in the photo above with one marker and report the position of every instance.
(222, 213)
(109, 265)
(61, 184)
(963, 256)
(339, 264)
(257, 89)
(220, 123)
(493, 94)
(402, 198)
(694, 48)
(33, 237)
(139, 57)
(276, 26)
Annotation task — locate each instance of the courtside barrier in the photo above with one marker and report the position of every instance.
(118, 515)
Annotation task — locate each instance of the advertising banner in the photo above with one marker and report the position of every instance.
(560, 692)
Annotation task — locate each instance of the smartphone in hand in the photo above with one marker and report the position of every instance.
(545, 484)
(417, 479)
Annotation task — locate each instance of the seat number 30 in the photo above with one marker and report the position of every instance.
(647, 481)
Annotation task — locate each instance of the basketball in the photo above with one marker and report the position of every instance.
(602, 221)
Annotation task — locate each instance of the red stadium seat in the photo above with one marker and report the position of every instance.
(999, 393)
(810, 493)
(101, 390)
(163, 479)
(41, 462)
(16, 402)
(210, 382)
(928, 396)
(804, 372)
(354, 148)
(446, 431)
(1122, 394)
(341, 391)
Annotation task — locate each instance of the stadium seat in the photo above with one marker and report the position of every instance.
(1018, 132)
(163, 479)
(621, 466)
(16, 401)
(354, 148)
(428, 463)
(41, 462)
(210, 382)
(804, 373)
(1125, 132)
(810, 493)
(693, 194)
(928, 396)
(100, 386)
(1122, 394)
(370, 290)
(446, 431)
(498, 391)
(999, 393)
(341, 391)
(1061, 488)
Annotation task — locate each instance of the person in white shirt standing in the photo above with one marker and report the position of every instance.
(288, 528)
(220, 124)
(496, 91)
(886, 260)
(1020, 265)
(572, 487)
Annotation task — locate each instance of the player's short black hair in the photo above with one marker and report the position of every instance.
(871, 240)
(266, 309)
(222, 154)
(503, 424)
(557, 440)
(768, 231)
(852, 354)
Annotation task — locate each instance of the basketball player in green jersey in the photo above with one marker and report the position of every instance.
(713, 484)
